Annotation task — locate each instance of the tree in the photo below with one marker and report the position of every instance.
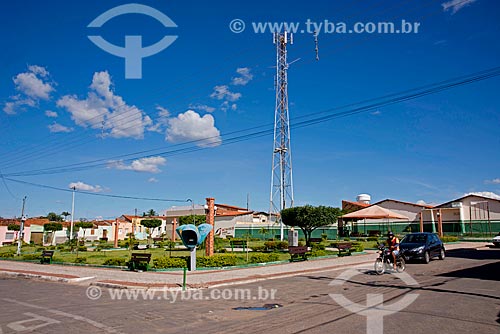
(151, 224)
(52, 227)
(84, 226)
(54, 217)
(13, 227)
(150, 213)
(193, 219)
(308, 218)
(65, 214)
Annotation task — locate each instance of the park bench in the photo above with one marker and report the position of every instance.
(344, 248)
(157, 239)
(46, 256)
(139, 261)
(316, 240)
(374, 233)
(297, 253)
(239, 244)
(7, 243)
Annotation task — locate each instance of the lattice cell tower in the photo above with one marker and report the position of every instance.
(281, 175)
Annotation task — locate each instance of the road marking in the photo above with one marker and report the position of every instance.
(67, 315)
(19, 326)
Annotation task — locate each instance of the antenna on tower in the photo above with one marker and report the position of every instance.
(281, 172)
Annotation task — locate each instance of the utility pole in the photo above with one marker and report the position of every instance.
(281, 173)
(20, 236)
(72, 215)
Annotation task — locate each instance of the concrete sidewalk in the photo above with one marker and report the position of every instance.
(198, 279)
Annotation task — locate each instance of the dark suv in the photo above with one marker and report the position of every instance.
(422, 246)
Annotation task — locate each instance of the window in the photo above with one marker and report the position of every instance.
(9, 236)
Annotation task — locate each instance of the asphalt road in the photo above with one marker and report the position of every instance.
(458, 295)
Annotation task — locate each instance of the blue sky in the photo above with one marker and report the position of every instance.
(65, 101)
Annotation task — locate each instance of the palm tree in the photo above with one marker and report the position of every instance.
(65, 214)
(150, 213)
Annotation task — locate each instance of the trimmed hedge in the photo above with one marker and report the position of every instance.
(448, 238)
(8, 254)
(262, 258)
(276, 245)
(217, 260)
(115, 261)
(80, 260)
(169, 262)
(30, 257)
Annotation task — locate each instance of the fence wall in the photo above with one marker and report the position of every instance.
(274, 232)
(473, 228)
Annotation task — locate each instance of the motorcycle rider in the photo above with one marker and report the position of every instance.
(393, 244)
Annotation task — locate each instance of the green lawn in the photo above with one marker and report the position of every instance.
(98, 257)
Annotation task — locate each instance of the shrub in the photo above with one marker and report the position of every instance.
(82, 248)
(31, 257)
(361, 239)
(39, 249)
(449, 238)
(60, 247)
(318, 252)
(317, 247)
(276, 245)
(357, 247)
(372, 239)
(347, 239)
(259, 248)
(8, 254)
(217, 260)
(115, 261)
(263, 258)
(170, 262)
(80, 260)
(324, 236)
(301, 243)
(282, 245)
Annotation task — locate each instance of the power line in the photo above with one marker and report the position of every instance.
(295, 123)
(76, 142)
(94, 194)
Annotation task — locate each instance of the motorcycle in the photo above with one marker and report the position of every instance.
(385, 260)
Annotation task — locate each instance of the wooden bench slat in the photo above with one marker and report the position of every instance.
(297, 252)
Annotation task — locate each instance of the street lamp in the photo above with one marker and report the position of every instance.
(72, 214)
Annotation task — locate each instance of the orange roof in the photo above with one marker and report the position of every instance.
(364, 205)
(374, 212)
(233, 213)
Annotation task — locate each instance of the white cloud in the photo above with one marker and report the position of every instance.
(85, 187)
(51, 114)
(102, 109)
(190, 126)
(488, 194)
(201, 107)
(225, 106)
(244, 78)
(222, 92)
(153, 180)
(17, 104)
(494, 181)
(143, 165)
(32, 86)
(161, 121)
(456, 5)
(56, 127)
(421, 202)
